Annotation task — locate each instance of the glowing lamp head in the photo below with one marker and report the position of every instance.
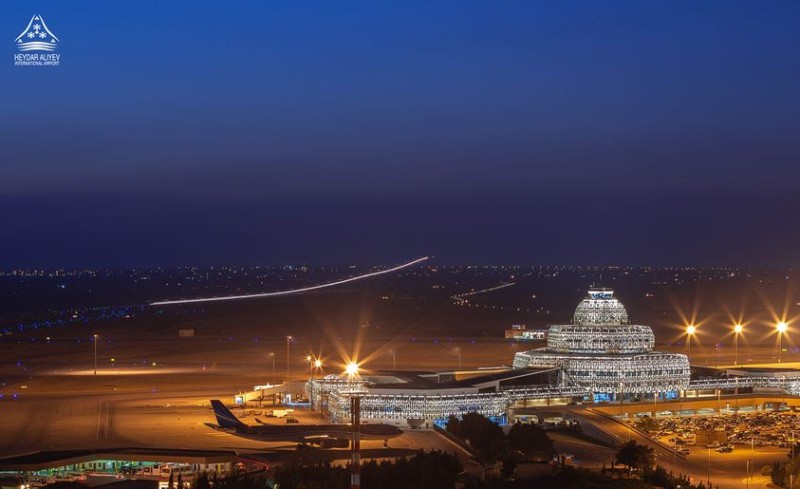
(351, 369)
(782, 327)
(308, 358)
(317, 363)
(738, 328)
(691, 329)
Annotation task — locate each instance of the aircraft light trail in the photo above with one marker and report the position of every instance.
(482, 291)
(292, 291)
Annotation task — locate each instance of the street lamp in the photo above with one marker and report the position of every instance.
(781, 327)
(394, 359)
(458, 350)
(314, 363)
(95, 353)
(288, 340)
(273, 367)
(690, 331)
(737, 330)
(351, 369)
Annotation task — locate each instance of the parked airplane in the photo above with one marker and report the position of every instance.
(325, 435)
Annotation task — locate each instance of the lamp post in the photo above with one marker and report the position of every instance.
(273, 367)
(95, 353)
(314, 363)
(781, 327)
(747, 483)
(458, 350)
(690, 331)
(394, 359)
(288, 340)
(351, 369)
(737, 330)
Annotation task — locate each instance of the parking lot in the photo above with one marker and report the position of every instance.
(748, 429)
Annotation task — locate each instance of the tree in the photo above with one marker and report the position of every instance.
(201, 482)
(530, 439)
(647, 424)
(171, 483)
(778, 473)
(794, 451)
(635, 456)
(180, 480)
(453, 425)
(431, 470)
(485, 436)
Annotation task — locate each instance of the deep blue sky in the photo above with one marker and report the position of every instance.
(337, 132)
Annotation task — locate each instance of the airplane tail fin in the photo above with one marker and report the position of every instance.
(225, 418)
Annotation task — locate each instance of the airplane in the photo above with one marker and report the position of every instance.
(324, 435)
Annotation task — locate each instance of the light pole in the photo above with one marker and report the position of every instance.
(288, 340)
(708, 476)
(781, 327)
(394, 359)
(95, 353)
(737, 330)
(747, 483)
(458, 350)
(273, 367)
(351, 369)
(314, 363)
(690, 331)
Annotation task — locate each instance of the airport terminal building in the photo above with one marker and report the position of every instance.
(605, 354)
(597, 358)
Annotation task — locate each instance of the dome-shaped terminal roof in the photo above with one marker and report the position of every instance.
(600, 308)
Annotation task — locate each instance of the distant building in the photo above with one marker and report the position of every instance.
(605, 354)
(186, 333)
(520, 332)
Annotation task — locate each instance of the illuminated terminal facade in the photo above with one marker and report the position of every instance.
(606, 355)
(599, 357)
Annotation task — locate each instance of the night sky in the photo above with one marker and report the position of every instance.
(265, 132)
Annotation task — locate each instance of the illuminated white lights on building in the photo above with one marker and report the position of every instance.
(604, 354)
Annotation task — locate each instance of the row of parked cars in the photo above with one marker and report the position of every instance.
(757, 429)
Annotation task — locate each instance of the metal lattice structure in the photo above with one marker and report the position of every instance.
(407, 405)
(403, 406)
(600, 308)
(600, 338)
(602, 353)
